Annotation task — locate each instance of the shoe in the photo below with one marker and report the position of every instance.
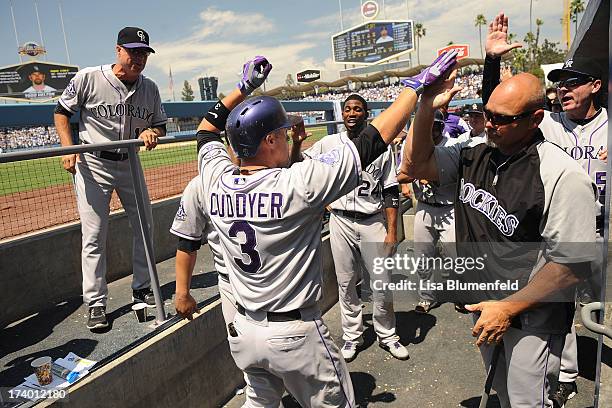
(144, 296)
(564, 393)
(425, 306)
(349, 350)
(396, 349)
(97, 318)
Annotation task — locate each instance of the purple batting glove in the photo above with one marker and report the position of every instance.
(430, 74)
(254, 73)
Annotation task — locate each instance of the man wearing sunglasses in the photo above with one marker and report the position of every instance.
(581, 129)
(512, 191)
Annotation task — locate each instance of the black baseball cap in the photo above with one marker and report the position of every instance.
(473, 108)
(134, 37)
(34, 68)
(581, 66)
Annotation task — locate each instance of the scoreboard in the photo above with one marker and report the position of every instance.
(373, 42)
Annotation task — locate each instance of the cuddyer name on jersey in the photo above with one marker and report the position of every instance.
(121, 109)
(246, 205)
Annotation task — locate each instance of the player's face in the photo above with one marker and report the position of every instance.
(476, 122)
(353, 114)
(280, 150)
(576, 91)
(508, 127)
(37, 78)
(133, 60)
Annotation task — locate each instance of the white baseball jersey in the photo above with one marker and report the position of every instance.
(192, 223)
(109, 111)
(432, 192)
(269, 223)
(380, 174)
(582, 142)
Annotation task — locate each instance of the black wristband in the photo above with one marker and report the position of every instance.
(391, 197)
(206, 136)
(62, 111)
(217, 115)
(187, 245)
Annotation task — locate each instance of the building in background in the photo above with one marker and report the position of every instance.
(208, 88)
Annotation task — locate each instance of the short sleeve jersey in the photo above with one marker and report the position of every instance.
(192, 223)
(108, 110)
(269, 222)
(377, 176)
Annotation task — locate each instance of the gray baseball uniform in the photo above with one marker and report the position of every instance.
(109, 111)
(269, 225)
(583, 143)
(357, 228)
(433, 223)
(192, 223)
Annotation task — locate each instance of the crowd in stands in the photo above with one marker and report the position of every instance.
(27, 138)
(471, 81)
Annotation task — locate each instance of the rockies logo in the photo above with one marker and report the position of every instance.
(141, 35)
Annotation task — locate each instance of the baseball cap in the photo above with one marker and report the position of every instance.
(582, 66)
(34, 68)
(473, 108)
(134, 37)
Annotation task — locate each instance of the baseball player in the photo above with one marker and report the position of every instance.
(38, 89)
(357, 226)
(581, 129)
(454, 125)
(192, 227)
(115, 102)
(433, 220)
(268, 219)
(497, 214)
(476, 121)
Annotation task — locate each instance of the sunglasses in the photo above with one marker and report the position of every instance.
(498, 119)
(573, 82)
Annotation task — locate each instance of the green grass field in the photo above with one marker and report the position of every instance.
(40, 173)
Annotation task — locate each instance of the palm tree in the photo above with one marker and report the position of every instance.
(539, 23)
(576, 7)
(419, 32)
(479, 22)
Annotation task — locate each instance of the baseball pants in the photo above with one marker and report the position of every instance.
(95, 181)
(297, 355)
(228, 303)
(432, 225)
(355, 244)
(527, 368)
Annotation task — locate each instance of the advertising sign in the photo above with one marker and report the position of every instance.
(35, 81)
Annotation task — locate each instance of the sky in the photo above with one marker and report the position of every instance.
(214, 38)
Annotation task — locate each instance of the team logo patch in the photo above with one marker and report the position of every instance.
(181, 215)
(70, 90)
(332, 157)
(568, 63)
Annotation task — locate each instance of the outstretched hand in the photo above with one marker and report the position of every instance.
(497, 39)
(442, 91)
(298, 133)
(439, 68)
(254, 73)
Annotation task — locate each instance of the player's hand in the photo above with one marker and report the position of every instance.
(406, 191)
(496, 43)
(441, 92)
(603, 155)
(185, 305)
(390, 244)
(254, 73)
(298, 133)
(69, 163)
(149, 137)
(438, 69)
(505, 73)
(495, 319)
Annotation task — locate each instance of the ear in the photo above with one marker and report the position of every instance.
(367, 113)
(537, 118)
(596, 86)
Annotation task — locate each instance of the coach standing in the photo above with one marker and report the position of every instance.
(115, 102)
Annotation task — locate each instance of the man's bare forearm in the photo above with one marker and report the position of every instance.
(62, 125)
(547, 282)
(393, 119)
(185, 262)
(391, 213)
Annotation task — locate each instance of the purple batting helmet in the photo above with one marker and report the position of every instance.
(252, 120)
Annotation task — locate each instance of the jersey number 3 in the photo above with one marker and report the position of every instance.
(248, 247)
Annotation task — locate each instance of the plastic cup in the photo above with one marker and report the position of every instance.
(140, 310)
(42, 369)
